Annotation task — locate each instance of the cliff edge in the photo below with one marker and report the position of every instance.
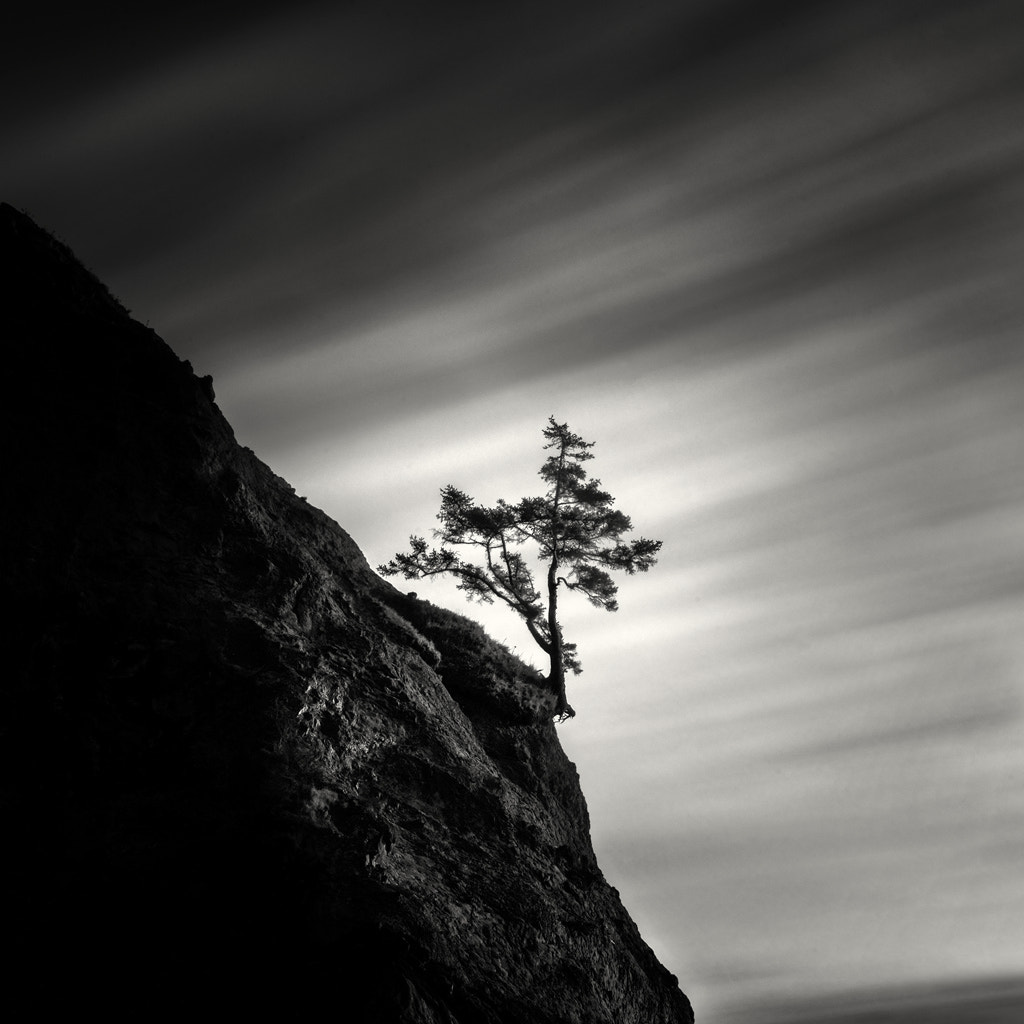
(239, 767)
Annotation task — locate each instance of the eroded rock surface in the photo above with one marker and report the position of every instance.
(239, 767)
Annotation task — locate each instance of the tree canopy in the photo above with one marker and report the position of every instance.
(574, 529)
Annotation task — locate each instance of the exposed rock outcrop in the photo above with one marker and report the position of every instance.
(238, 765)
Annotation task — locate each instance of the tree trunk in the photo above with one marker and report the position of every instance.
(557, 677)
(562, 708)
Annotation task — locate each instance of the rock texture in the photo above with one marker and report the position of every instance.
(239, 767)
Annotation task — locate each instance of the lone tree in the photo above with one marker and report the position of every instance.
(573, 525)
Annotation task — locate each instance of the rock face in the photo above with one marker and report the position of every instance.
(239, 766)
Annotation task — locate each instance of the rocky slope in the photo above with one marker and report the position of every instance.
(238, 765)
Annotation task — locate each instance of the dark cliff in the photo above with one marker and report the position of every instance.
(240, 766)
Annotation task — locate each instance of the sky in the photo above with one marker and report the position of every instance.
(767, 257)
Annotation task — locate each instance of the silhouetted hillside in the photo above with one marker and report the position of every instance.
(240, 769)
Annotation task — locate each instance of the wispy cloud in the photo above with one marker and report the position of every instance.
(768, 258)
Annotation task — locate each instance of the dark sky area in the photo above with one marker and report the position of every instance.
(768, 257)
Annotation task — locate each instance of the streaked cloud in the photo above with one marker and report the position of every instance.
(768, 257)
